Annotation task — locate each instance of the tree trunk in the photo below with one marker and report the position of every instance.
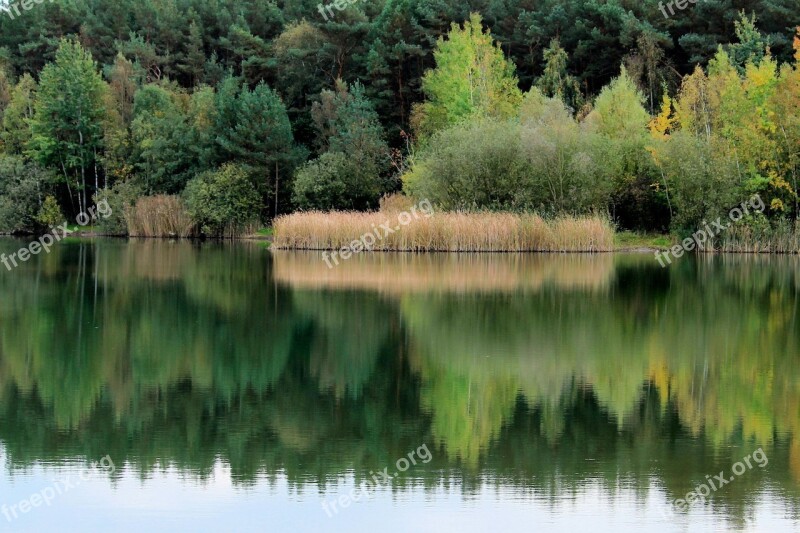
(276, 190)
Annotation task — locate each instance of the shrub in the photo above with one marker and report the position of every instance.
(336, 181)
(475, 165)
(566, 161)
(50, 214)
(121, 198)
(223, 202)
(21, 187)
(703, 180)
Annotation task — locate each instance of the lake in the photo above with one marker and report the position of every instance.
(155, 385)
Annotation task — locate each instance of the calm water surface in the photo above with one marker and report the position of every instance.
(237, 389)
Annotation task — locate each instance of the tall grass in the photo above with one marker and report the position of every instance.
(446, 232)
(781, 237)
(159, 216)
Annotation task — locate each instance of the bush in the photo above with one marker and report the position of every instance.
(475, 165)
(21, 187)
(50, 214)
(703, 180)
(336, 181)
(223, 202)
(568, 164)
(122, 198)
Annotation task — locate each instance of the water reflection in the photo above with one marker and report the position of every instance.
(541, 374)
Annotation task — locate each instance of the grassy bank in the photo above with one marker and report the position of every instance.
(445, 232)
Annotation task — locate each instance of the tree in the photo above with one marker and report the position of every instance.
(786, 105)
(476, 165)
(67, 126)
(555, 80)
(333, 181)
(349, 173)
(171, 136)
(16, 119)
(472, 78)
(253, 128)
(619, 111)
(566, 174)
(620, 118)
(194, 57)
(222, 202)
(346, 122)
(752, 45)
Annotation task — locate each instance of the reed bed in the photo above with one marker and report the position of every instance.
(783, 238)
(445, 232)
(159, 216)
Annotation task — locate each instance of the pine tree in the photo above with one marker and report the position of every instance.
(555, 81)
(253, 128)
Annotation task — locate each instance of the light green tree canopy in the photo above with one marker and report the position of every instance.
(472, 77)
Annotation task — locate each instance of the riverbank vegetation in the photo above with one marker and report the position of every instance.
(234, 116)
(446, 232)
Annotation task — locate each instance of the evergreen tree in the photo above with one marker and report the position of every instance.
(556, 81)
(253, 128)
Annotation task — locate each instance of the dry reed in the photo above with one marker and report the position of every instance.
(159, 216)
(783, 238)
(446, 232)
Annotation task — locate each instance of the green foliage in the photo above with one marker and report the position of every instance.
(480, 164)
(335, 181)
(253, 129)
(619, 111)
(223, 201)
(547, 162)
(16, 133)
(472, 79)
(555, 80)
(703, 180)
(350, 174)
(50, 214)
(22, 186)
(121, 198)
(190, 87)
(752, 45)
(67, 125)
(170, 133)
(568, 162)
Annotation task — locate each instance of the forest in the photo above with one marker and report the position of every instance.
(214, 117)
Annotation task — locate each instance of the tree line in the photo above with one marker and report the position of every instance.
(250, 110)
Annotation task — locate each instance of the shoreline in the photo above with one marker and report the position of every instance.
(270, 239)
